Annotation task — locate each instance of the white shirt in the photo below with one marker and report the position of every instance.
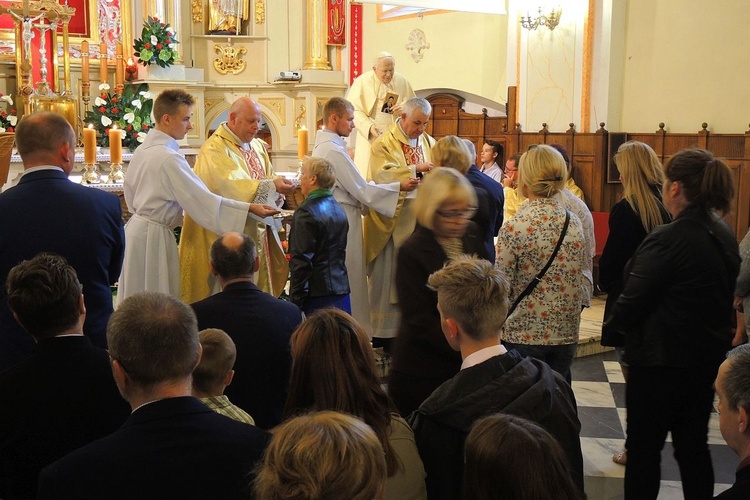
(483, 355)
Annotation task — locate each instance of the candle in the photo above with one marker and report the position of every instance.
(115, 145)
(85, 61)
(89, 144)
(119, 69)
(103, 63)
(302, 142)
(131, 69)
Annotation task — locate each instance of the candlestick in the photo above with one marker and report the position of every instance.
(103, 63)
(302, 142)
(115, 145)
(89, 145)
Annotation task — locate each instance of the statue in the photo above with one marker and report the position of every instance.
(226, 16)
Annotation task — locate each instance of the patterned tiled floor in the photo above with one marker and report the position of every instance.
(600, 392)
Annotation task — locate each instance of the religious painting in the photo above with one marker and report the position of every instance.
(337, 22)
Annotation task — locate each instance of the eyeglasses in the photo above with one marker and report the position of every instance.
(458, 214)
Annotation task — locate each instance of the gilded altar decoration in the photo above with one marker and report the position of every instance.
(226, 16)
(299, 121)
(230, 59)
(37, 25)
(197, 10)
(337, 22)
(417, 44)
(8, 119)
(157, 44)
(260, 12)
(129, 111)
(277, 106)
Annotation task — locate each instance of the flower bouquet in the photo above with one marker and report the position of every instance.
(157, 44)
(8, 120)
(131, 112)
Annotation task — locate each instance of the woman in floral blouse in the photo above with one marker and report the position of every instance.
(545, 323)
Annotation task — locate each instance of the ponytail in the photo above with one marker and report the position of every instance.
(706, 180)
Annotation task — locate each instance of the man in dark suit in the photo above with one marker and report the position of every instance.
(63, 396)
(46, 212)
(172, 446)
(260, 326)
(490, 197)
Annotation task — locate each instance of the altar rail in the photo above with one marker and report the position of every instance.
(591, 153)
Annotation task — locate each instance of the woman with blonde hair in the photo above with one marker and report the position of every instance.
(541, 251)
(451, 151)
(422, 358)
(638, 212)
(333, 368)
(325, 455)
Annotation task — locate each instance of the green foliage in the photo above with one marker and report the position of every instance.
(157, 44)
(130, 111)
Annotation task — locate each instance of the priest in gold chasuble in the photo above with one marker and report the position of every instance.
(403, 151)
(235, 165)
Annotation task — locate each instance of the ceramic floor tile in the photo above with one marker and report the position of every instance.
(597, 457)
(603, 488)
(599, 422)
(614, 372)
(618, 392)
(596, 394)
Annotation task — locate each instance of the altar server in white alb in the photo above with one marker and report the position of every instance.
(356, 196)
(158, 186)
(368, 93)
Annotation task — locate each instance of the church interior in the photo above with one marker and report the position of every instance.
(588, 74)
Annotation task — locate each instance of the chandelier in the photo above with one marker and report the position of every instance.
(550, 20)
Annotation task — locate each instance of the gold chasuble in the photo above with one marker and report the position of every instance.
(393, 159)
(230, 170)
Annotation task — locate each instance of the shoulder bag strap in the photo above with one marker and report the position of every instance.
(538, 277)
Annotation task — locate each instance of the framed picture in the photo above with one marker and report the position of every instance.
(389, 102)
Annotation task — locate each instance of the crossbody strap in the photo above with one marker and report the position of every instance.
(538, 277)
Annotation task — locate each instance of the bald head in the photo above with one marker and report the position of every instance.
(245, 118)
(233, 256)
(46, 139)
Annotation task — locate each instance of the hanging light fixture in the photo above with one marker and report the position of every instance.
(550, 20)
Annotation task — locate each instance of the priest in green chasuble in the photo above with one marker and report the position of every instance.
(403, 151)
(234, 164)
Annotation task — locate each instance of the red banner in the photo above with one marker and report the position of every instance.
(355, 36)
(336, 22)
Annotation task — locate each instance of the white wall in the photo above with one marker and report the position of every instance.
(467, 51)
(686, 62)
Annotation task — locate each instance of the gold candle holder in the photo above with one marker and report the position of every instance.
(91, 174)
(116, 175)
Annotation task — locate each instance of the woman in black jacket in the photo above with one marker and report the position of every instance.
(676, 310)
(422, 358)
(317, 243)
